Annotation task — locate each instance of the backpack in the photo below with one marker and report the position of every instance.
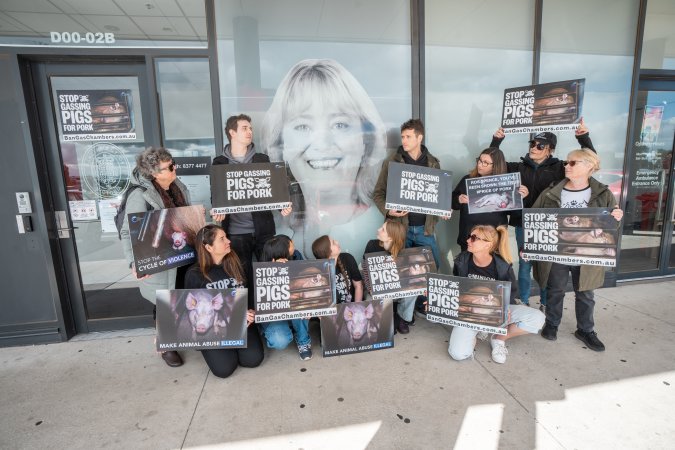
(121, 211)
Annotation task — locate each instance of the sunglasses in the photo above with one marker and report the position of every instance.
(537, 145)
(571, 163)
(483, 163)
(170, 168)
(474, 238)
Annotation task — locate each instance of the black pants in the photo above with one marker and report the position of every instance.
(584, 301)
(245, 246)
(223, 362)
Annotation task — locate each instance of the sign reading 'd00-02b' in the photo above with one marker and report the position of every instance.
(75, 37)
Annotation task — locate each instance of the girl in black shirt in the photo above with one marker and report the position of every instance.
(348, 280)
(218, 267)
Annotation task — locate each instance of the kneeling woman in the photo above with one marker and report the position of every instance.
(219, 267)
(488, 258)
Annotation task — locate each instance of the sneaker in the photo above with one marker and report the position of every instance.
(549, 332)
(482, 335)
(591, 340)
(499, 351)
(305, 351)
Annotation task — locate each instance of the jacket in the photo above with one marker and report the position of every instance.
(537, 177)
(590, 277)
(138, 201)
(263, 221)
(504, 271)
(380, 191)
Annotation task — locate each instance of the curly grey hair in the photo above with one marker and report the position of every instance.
(147, 163)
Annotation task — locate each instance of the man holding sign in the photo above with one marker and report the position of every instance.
(421, 227)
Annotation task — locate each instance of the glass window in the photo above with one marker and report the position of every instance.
(102, 23)
(471, 57)
(325, 84)
(658, 42)
(579, 45)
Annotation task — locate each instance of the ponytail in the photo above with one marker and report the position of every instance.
(503, 247)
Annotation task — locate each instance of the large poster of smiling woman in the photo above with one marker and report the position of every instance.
(325, 126)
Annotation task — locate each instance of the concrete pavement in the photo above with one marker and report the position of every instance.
(111, 390)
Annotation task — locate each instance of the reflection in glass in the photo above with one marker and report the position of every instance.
(658, 42)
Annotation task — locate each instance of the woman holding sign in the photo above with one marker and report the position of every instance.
(218, 267)
(578, 190)
(488, 258)
(391, 238)
(491, 161)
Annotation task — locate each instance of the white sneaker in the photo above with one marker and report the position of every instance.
(499, 351)
(482, 335)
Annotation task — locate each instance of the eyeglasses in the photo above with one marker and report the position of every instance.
(170, 167)
(473, 238)
(482, 162)
(537, 145)
(571, 163)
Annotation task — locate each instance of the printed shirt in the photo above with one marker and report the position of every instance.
(488, 272)
(575, 199)
(219, 279)
(344, 289)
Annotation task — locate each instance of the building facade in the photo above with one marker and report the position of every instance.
(86, 86)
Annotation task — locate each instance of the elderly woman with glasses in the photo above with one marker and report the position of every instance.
(490, 162)
(154, 186)
(538, 169)
(578, 190)
(488, 258)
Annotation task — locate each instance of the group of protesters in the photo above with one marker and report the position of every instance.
(226, 250)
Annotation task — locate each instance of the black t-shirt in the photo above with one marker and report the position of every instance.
(373, 246)
(344, 288)
(219, 279)
(488, 272)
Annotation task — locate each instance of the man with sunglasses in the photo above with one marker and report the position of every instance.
(538, 170)
(247, 231)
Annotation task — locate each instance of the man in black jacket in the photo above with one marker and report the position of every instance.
(247, 232)
(538, 169)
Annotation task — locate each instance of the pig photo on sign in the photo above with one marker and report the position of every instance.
(310, 283)
(357, 318)
(481, 304)
(497, 200)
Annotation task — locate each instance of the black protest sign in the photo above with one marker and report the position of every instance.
(494, 193)
(419, 189)
(162, 239)
(192, 165)
(479, 305)
(237, 188)
(201, 318)
(294, 290)
(543, 107)
(96, 115)
(404, 276)
(571, 236)
(358, 327)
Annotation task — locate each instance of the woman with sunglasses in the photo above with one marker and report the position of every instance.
(538, 169)
(488, 258)
(578, 190)
(219, 267)
(153, 185)
(490, 162)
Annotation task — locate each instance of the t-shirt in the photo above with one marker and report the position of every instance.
(575, 199)
(344, 287)
(488, 272)
(219, 279)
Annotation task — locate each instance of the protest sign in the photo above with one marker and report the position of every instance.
(419, 189)
(543, 107)
(358, 327)
(96, 115)
(201, 318)
(404, 276)
(479, 305)
(294, 290)
(162, 239)
(237, 188)
(571, 236)
(495, 193)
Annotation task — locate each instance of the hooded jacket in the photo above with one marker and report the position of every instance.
(263, 221)
(590, 277)
(504, 271)
(138, 201)
(380, 191)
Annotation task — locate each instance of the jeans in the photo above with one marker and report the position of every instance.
(524, 268)
(584, 300)
(416, 238)
(405, 308)
(279, 334)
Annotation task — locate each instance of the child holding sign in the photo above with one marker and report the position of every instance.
(348, 280)
(488, 258)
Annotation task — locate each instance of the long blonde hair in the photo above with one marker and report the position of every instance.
(497, 237)
(397, 232)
